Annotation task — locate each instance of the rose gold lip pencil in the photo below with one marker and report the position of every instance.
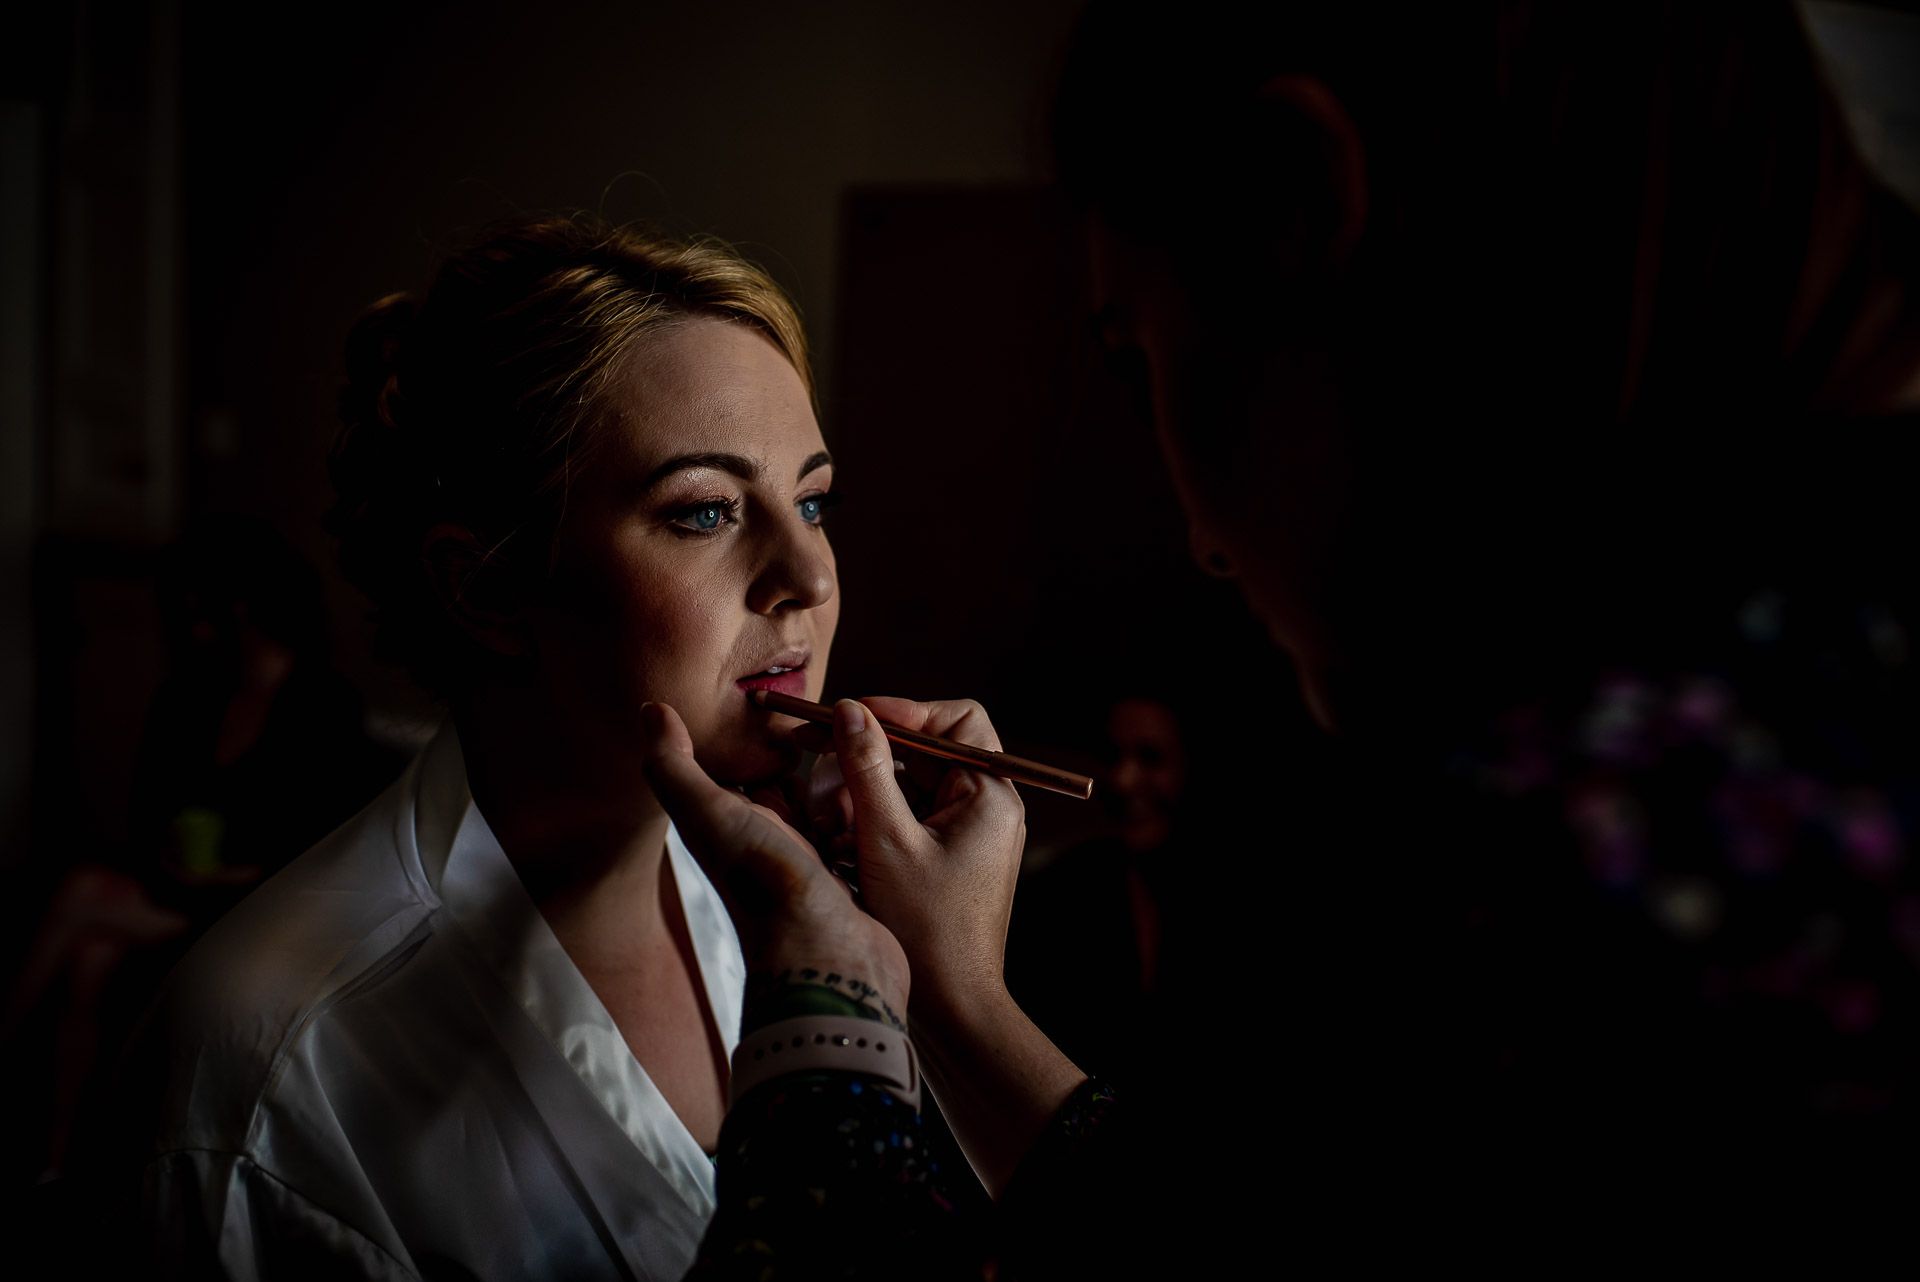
(1035, 774)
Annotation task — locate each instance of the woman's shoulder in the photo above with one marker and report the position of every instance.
(308, 920)
(265, 977)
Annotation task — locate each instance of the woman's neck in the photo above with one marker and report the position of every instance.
(580, 827)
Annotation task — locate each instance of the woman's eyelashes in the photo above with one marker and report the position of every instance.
(708, 516)
(711, 516)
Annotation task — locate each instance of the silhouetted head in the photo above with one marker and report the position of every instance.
(1468, 334)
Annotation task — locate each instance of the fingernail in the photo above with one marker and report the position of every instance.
(852, 720)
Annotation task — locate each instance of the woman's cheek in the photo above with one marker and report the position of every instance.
(655, 625)
(683, 654)
(829, 615)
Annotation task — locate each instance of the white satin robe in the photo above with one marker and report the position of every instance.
(383, 1064)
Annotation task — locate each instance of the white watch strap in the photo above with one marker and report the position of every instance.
(831, 1043)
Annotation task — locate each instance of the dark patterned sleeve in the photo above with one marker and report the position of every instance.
(828, 1175)
(831, 1176)
(1058, 1216)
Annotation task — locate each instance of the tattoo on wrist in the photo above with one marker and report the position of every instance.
(767, 988)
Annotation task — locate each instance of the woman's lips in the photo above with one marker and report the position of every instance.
(793, 682)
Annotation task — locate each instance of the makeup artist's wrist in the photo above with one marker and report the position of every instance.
(952, 1009)
(999, 1078)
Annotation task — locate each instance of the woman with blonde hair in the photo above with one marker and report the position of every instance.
(483, 1029)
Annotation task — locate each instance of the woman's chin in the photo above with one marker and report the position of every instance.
(739, 759)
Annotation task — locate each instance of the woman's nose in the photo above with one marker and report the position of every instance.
(798, 573)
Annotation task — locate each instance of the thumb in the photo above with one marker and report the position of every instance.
(701, 809)
(745, 853)
(664, 730)
(880, 809)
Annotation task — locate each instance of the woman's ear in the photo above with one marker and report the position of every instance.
(1308, 98)
(475, 590)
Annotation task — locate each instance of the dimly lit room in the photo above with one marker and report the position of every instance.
(1366, 556)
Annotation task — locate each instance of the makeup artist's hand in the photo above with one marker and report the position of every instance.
(791, 914)
(937, 846)
(938, 850)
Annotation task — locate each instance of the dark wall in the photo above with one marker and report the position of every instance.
(324, 173)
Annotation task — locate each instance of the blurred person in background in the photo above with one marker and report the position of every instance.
(254, 747)
(1094, 928)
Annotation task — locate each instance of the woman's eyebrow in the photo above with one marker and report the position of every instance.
(738, 464)
(813, 463)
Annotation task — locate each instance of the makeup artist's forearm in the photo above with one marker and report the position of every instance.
(998, 1078)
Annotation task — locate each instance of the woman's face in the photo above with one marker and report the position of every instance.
(1149, 775)
(692, 562)
(1251, 440)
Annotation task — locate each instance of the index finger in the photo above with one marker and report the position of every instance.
(962, 720)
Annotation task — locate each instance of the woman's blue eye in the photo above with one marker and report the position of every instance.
(705, 518)
(814, 507)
